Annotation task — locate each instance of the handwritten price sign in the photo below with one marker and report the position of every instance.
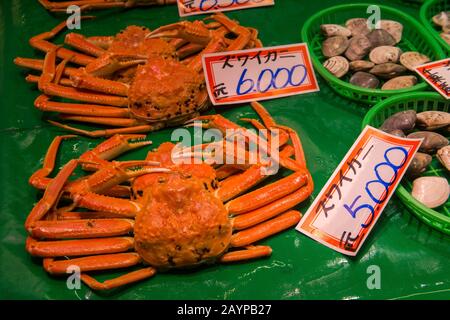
(352, 200)
(437, 74)
(259, 74)
(192, 7)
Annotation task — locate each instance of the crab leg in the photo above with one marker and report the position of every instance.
(89, 228)
(38, 64)
(86, 81)
(99, 4)
(40, 42)
(251, 252)
(103, 42)
(116, 122)
(93, 263)
(43, 103)
(235, 185)
(79, 42)
(266, 229)
(119, 281)
(51, 194)
(81, 247)
(267, 194)
(67, 215)
(109, 132)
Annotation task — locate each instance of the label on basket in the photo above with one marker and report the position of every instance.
(437, 74)
(352, 200)
(259, 74)
(192, 7)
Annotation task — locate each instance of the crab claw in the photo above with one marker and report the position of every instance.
(195, 32)
(112, 148)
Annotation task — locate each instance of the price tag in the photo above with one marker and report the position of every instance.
(259, 74)
(352, 200)
(193, 7)
(437, 74)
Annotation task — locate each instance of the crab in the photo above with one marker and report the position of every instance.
(61, 6)
(171, 216)
(137, 81)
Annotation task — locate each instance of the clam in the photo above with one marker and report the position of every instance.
(365, 80)
(433, 120)
(358, 48)
(412, 59)
(419, 164)
(446, 28)
(388, 70)
(442, 18)
(394, 28)
(384, 54)
(397, 133)
(431, 191)
(432, 141)
(331, 30)
(401, 82)
(358, 26)
(338, 66)
(446, 37)
(334, 46)
(443, 155)
(361, 65)
(380, 37)
(403, 120)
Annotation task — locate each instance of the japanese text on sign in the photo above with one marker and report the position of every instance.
(259, 74)
(437, 74)
(192, 7)
(352, 200)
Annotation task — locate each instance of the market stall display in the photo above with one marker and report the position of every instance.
(434, 16)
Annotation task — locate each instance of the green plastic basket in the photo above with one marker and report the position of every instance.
(438, 218)
(415, 38)
(429, 9)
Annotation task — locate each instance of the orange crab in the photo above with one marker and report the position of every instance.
(137, 81)
(181, 215)
(61, 6)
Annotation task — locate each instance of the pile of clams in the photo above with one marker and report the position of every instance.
(442, 20)
(371, 57)
(433, 127)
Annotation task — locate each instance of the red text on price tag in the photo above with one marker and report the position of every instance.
(192, 7)
(259, 74)
(437, 74)
(352, 200)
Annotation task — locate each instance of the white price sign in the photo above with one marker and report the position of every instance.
(193, 7)
(259, 74)
(437, 74)
(352, 200)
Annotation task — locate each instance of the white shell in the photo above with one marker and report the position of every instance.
(431, 191)
(401, 82)
(338, 66)
(446, 37)
(412, 59)
(385, 54)
(331, 30)
(432, 120)
(394, 28)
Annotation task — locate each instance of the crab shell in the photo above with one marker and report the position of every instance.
(182, 222)
(165, 90)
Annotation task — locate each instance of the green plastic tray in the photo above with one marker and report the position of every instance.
(438, 219)
(415, 38)
(427, 11)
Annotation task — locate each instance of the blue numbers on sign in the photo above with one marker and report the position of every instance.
(379, 181)
(206, 5)
(246, 85)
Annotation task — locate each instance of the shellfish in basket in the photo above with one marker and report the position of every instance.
(136, 81)
(170, 215)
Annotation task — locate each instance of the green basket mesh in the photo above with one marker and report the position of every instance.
(415, 38)
(438, 218)
(429, 9)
